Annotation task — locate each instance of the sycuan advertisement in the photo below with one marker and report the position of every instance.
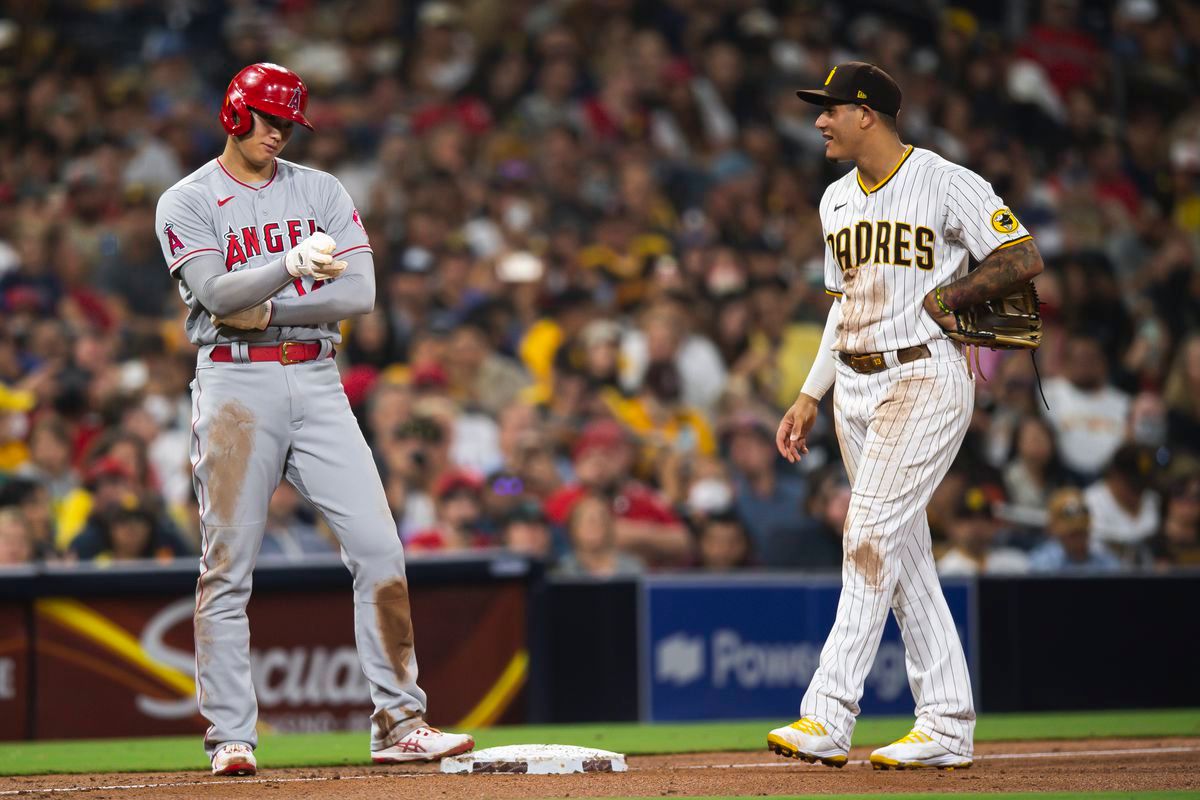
(129, 662)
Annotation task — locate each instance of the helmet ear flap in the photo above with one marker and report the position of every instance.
(235, 115)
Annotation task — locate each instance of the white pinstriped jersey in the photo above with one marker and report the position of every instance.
(887, 247)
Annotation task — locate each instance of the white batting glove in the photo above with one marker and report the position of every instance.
(313, 258)
(254, 318)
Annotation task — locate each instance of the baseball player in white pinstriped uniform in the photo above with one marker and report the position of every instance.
(899, 229)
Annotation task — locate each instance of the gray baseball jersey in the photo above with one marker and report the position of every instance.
(211, 213)
(254, 421)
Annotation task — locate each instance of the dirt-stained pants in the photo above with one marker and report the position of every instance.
(252, 424)
(899, 431)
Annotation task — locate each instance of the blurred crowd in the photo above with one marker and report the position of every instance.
(600, 271)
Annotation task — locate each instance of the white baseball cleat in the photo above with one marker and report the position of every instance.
(807, 740)
(917, 751)
(424, 744)
(234, 759)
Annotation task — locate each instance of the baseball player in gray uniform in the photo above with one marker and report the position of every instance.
(900, 229)
(270, 257)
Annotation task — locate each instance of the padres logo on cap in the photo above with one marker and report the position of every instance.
(1004, 221)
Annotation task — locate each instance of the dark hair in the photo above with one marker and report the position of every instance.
(1056, 473)
(421, 428)
(888, 120)
(729, 517)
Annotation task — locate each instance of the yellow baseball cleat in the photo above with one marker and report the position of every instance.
(807, 740)
(917, 751)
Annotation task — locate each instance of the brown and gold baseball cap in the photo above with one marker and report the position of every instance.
(857, 82)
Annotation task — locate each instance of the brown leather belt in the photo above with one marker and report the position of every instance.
(870, 363)
(285, 353)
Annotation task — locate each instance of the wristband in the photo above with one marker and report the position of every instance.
(937, 296)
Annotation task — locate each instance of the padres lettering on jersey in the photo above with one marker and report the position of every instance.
(883, 242)
(888, 246)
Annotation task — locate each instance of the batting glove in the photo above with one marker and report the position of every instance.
(254, 318)
(314, 258)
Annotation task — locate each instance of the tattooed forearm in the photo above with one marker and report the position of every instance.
(996, 276)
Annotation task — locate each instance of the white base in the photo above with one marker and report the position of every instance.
(534, 759)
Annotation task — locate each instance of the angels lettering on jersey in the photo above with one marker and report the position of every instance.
(274, 237)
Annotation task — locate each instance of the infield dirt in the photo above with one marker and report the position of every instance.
(1077, 766)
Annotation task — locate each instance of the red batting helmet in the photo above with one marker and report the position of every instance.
(269, 88)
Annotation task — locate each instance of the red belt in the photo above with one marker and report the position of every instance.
(285, 353)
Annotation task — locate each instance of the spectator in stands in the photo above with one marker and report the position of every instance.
(16, 539)
(14, 406)
(108, 483)
(703, 489)
(601, 341)
(32, 500)
(290, 534)
(1182, 395)
(481, 377)
(972, 534)
(458, 498)
(722, 543)
(1124, 506)
(646, 527)
(412, 454)
(50, 458)
(389, 405)
(1148, 421)
(1071, 546)
(813, 540)
(527, 531)
(125, 532)
(472, 436)
(1033, 473)
(591, 531)
(1088, 414)
(591, 189)
(1179, 542)
(767, 498)
(665, 335)
(658, 418)
(1013, 390)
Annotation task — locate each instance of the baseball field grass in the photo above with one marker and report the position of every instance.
(163, 754)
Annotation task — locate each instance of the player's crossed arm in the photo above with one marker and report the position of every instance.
(313, 257)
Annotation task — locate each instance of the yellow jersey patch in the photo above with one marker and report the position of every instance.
(1004, 221)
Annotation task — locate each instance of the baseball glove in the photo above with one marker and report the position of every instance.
(1012, 322)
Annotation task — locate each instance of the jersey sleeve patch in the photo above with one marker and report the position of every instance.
(173, 241)
(1004, 221)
